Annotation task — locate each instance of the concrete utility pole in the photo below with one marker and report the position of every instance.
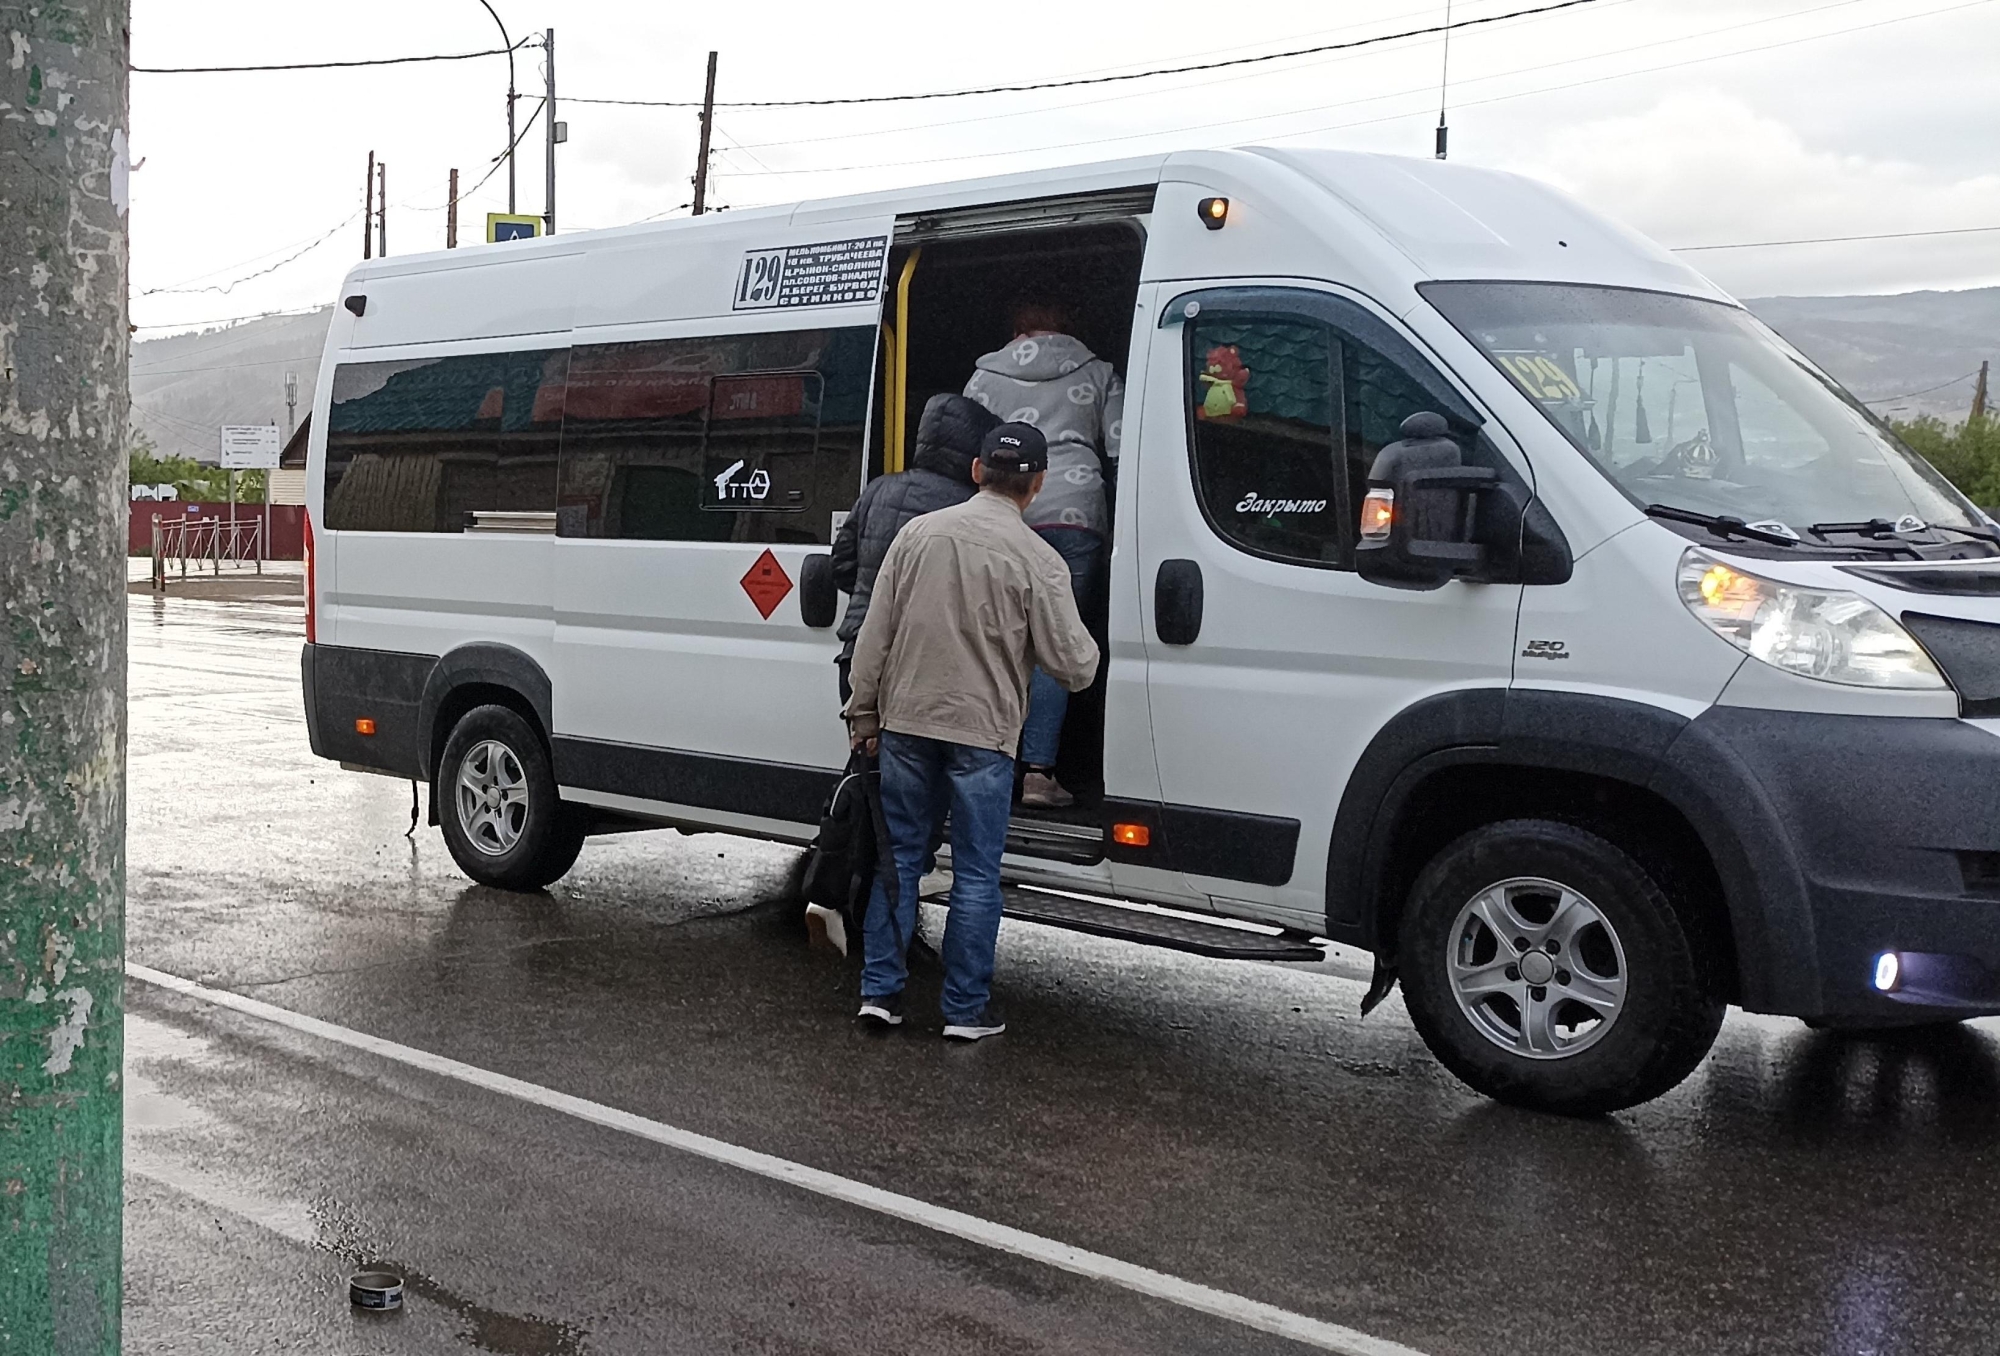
(64, 342)
(701, 156)
(553, 130)
(368, 213)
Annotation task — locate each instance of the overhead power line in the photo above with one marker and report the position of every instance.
(1349, 45)
(230, 286)
(1211, 124)
(1910, 395)
(327, 65)
(1836, 239)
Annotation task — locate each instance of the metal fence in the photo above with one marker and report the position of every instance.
(213, 542)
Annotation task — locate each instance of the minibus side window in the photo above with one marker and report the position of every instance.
(1286, 414)
(747, 437)
(1264, 393)
(422, 444)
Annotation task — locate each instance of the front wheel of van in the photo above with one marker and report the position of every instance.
(1547, 968)
(502, 819)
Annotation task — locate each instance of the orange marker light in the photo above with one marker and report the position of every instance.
(1132, 835)
(364, 725)
(1213, 212)
(1727, 591)
(1378, 511)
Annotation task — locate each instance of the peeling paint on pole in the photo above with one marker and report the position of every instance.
(63, 395)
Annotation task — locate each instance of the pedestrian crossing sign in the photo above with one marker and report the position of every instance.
(507, 226)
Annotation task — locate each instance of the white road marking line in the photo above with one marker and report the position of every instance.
(1142, 1280)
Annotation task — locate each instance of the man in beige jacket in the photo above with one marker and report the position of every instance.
(968, 602)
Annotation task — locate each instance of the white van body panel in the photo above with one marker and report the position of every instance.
(657, 642)
(465, 295)
(1622, 629)
(428, 593)
(1459, 221)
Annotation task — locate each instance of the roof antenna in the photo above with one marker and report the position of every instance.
(1444, 78)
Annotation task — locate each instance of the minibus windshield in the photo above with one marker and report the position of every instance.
(1695, 404)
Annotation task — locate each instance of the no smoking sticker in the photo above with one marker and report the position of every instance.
(767, 584)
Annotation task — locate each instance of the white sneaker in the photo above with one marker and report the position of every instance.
(826, 928)
(1041, 789)
(935, 884)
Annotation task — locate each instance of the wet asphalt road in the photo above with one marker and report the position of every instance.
(1230, 1123)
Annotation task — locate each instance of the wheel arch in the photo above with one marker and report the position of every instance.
(1637, 774)
(476, 675)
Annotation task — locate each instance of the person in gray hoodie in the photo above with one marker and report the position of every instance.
(1051, 380)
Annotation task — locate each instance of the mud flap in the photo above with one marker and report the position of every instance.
(1379, 986)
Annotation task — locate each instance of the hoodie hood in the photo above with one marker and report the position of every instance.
(1045, 357)
(948, 436)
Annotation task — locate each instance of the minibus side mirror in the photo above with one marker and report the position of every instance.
(1419, 516)
(819, 600)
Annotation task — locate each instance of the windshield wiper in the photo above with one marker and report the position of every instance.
(1720, 524)
(1881, 527)
(1967, 531)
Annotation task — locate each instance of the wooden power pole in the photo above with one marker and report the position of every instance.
(701, 156)
(451, 214)
(368, 212)
(382, 208)
(1979, 394)
(63, 407)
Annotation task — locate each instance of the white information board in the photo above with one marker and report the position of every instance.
(250, 447)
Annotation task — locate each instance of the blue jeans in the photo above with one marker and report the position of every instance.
(1048, 700)
(919, 777)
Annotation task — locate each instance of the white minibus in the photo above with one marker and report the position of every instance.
(1488, 590)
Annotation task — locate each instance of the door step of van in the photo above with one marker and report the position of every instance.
(1056, 841)
(1175, 931)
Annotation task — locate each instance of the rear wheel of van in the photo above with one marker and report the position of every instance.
(502, 819)
(1547, 968)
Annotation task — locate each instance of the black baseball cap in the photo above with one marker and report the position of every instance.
(1015, 447)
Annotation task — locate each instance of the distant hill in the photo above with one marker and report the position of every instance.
(1884, 349)
(186, 386)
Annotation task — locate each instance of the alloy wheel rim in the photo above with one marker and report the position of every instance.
(492, 797)
(1537, 968)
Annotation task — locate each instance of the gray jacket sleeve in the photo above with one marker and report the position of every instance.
(1063, 647)
(1114, 413)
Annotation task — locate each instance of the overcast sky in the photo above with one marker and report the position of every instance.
(1698, 121)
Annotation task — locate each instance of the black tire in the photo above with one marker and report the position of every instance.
(531, 837)
(1669, 1012)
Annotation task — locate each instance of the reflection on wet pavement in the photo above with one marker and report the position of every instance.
(1234, 1123)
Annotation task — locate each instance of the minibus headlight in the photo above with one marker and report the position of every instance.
(1828, 634)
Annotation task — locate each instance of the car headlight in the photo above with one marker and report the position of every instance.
(1828, 634)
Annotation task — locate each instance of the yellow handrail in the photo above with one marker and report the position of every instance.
(899, 418)
(890, 395)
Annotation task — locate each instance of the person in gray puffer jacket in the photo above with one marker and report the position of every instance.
(940, 475)
(1053, 381)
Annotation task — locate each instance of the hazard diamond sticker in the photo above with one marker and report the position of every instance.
(767, 584)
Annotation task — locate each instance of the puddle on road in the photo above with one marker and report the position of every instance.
(341, 1232)
(326, 1226)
